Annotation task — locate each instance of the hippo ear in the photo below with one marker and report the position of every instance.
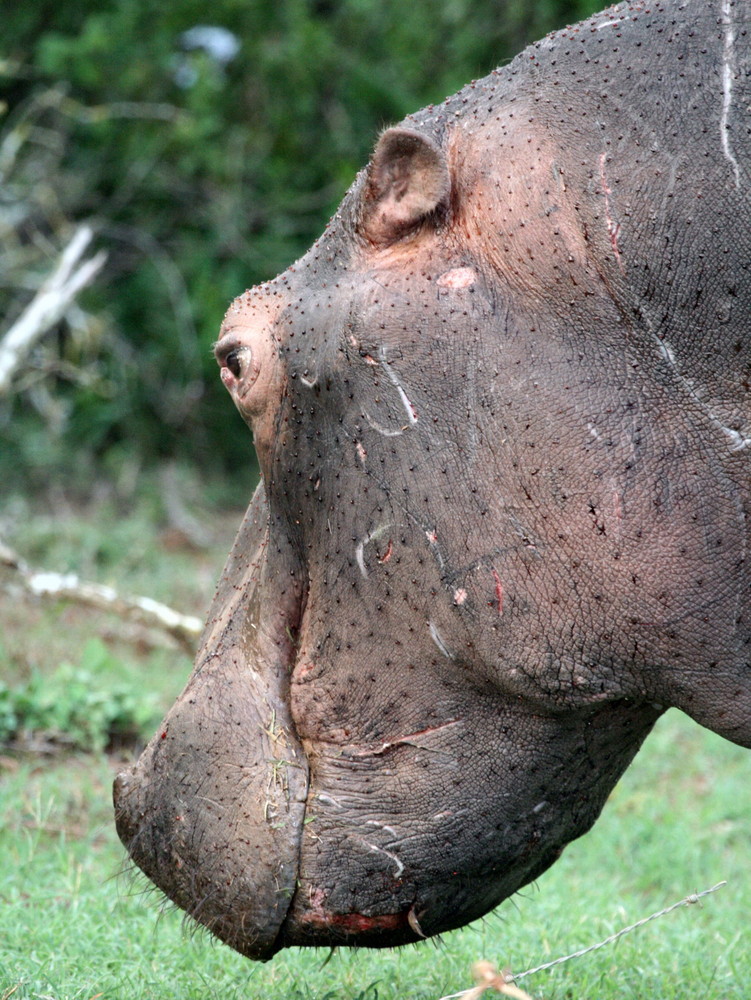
(408, 178)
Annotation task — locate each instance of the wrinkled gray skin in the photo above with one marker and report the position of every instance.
(501, 411)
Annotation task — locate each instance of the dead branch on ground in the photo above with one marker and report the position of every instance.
(184, 629)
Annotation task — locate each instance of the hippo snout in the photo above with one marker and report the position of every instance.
(212, 812)
(219, 837)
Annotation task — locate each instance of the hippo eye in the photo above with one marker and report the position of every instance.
(232, 361)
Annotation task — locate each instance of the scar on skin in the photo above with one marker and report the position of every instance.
(460, 596)
(409, 740)
(457, 277)
(736, 440)
(728, 57)
(361, 452)
(393, 857)
(360, 547)
(383, 430)
(381, 826)
(614, 228)
(438, 640)
(409, 409)
(498, 592)
(387, 554)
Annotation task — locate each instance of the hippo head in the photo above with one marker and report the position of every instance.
(458, 601)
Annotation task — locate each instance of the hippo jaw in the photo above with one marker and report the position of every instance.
(422, 834)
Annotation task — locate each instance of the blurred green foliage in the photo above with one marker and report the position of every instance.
(202, 175)
(70, 707)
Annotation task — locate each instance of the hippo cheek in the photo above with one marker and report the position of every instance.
(213, 810)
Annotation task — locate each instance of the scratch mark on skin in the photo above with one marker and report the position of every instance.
(360, 558)
(387, 554)
(728, 56)
(437, 639)
(361, 452)
(307, 382)
(393, 378)
(614, 228)
(381, 826)
(329, 800)
(360, 547)
(432, 537)
(392, 857)
(737, 441)
(409, 740)
(382, 430)
(498, 592)
(617, 506)
(667, 352)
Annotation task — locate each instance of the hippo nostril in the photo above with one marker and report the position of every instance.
(124, 821)
(120, 786)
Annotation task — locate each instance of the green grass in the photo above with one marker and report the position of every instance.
(678, 822)
(72, 926)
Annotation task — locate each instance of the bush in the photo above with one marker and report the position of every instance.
(70, 707)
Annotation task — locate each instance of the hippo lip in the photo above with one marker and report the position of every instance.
(220, 833)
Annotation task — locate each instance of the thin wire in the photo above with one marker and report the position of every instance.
(693, 898)
(513, 978)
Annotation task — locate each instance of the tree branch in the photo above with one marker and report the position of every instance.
(49, 304)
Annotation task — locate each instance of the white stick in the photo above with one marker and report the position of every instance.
(185, 629)
(49, 304)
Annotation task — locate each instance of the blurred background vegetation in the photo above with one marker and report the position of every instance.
(205, 161)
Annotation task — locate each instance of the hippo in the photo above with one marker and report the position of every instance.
(501, 413)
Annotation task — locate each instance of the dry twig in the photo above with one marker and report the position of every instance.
(50, 304)
(488, 977)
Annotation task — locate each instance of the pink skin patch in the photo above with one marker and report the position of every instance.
(460, 596)
(387, 554)
(498, 592)
(457, 277)
(357, 923)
